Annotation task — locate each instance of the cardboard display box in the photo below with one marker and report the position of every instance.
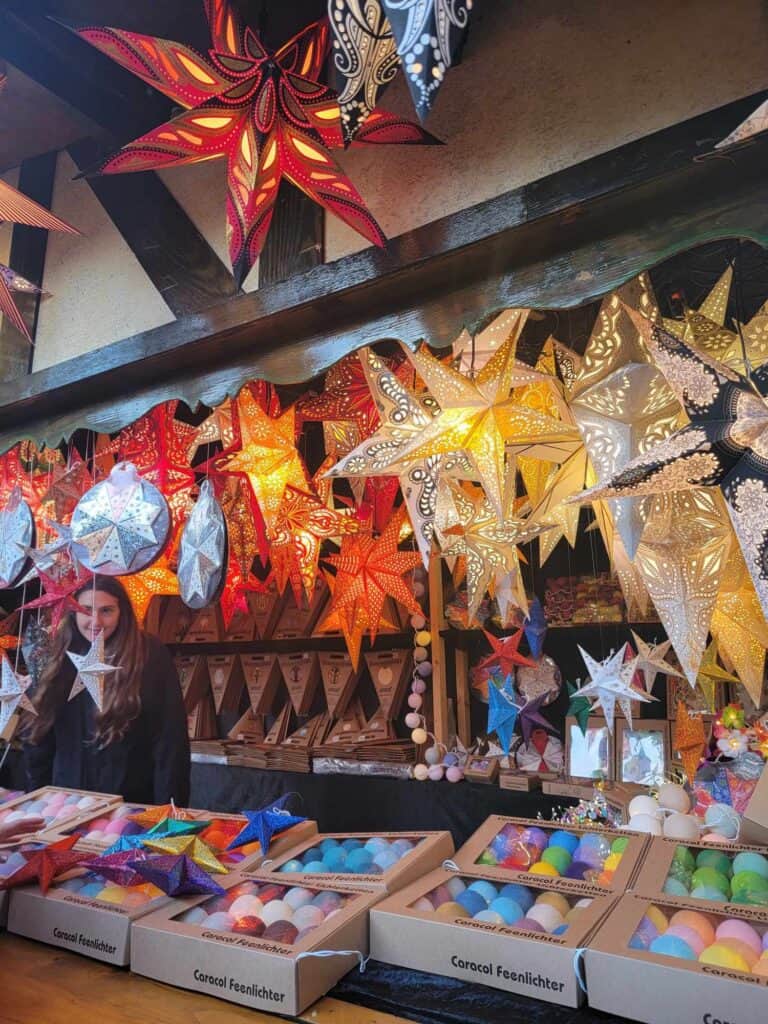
(431, 850)
(657, 861)
(658, 989)
(534, 964)
(96, 802)
(468, 858)
(94, 838)
(263, 974)
(754, 825)
(250, 856)
(84, 924)
(5, 852)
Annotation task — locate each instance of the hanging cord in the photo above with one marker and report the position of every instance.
(737, 263)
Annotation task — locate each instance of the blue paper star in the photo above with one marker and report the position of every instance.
(125, 843)
(535, 628)
(502, 712)
(166, 827)
(263, 824)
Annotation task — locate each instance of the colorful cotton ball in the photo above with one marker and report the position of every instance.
(710, 878)
(335, 860)
(545, 869)
(765, 940)
(645, 933)
(455, 886)
(658, 918)
(386, 859)
(750, 887)
(403, 846)
(440, 894)
(270, 891)
(751, 861)
(276, 910)
(219, 922)
(672, 945)
(681, 826)
(414, 701)
(112, 894)
(472, 902)
(423, 638)
(85, 802)
(673, 887)
(707, 892)
(298, 897)
(246, 906)
(309, 916)
(329, 843)
(91, 889)
(420, 772)
(248, 925)
(714, 838)
(684, 857)
(619, 844)
(645, 805)
(433, 755)
(424, 669)
(284, 932)
(696, 920)
(452, 909)
(521, 894)
(743, 949)
(352, 844)
(359, 861)
(547, 916)
(721, 955)
(292, 866)
(489, 916)
(420, 654)
(327, 902)
(567, 840)
(509, 910)
(487, 890)
(714, 859)
(412, 720)
(612, 861)
(424, 906)
(761, 967)
(577, 869)
(195, 915)
(535, 837)
(689, 935)
(556, 900)
(315, 867)
(647, 823)
(528, 924)
(420, 737)
(722, 819)
(557, 857)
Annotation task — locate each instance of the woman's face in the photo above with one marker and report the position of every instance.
(102, 614)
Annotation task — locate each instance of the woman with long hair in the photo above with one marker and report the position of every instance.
(137, 745)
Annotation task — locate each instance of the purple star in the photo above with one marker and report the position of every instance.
(117, 867)
(176, 875)
(530, 718)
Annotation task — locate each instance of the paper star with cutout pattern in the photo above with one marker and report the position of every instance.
(351, 621)
(202, 550)
(91, 672)
(502, 712)
(176, 875)
(13, 693)
(650, 660)
(579, 707)
(264, 824)
(535, 628)
(188, 846)
(59, 594)
(690, 739)
(42, 866)
(156, 580)
(610, 681)
(67, 489)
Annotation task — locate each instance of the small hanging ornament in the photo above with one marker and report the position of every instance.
(91, 672)
(203, 551)
(13, 693)
(121, 524)
(17, 530)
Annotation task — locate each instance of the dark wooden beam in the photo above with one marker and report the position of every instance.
(27, 257)
(558, 242)
(178, 260)
(295, 240)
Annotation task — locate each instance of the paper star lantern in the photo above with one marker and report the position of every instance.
(189, 846)
(9, 636)
(91, 672)
(651, 660)
(170, 827)
(268, 457)
(502, 713)
(578, 707)
(369, 569)
(202, 551)
(264, 824)
(351, 621)
(535, 628)
(68, 488)
(246, 537)
(152, 815)
(756, 123)
(610, 682)
(13, 693)
(266, 112)
(59, 593)
(57, 558)
(346, 397)
(176, 875)
(480, 420)
(505, 654)
(302, 524)
(531, 719)
(711, 674)
(16, 534)
(42, 866)
(116, 866)
(155, 581)
(690, 740)
(121, 524)
(739, 627)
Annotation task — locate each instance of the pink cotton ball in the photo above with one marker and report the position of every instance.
(713, 837)
(424, 669)
(414, 701)
(454, 774)
(418, 686)
(420, 654)
(124, 810)
(98, 824)
(96, 833)
(115, 828)
(413, 721)
(418, 621)
(418, 589)
(218, 922)
(436, 773)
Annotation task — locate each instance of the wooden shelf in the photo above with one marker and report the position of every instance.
(383, 642)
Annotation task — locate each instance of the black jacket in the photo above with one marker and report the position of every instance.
(150, 764)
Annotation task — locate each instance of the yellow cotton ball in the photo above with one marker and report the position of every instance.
(419, 736)
(612, 861)
(423, 638)
(542, 868)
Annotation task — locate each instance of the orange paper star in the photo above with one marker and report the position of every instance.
(143, 586)
(690, 739)
(152, 815)
(351, 622)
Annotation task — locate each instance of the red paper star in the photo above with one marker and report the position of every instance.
(505, 654)
(68, 489)
(237, 586)
(265, 112)
(346, 397)
(59, 594)
(44, 865)
(369, 569)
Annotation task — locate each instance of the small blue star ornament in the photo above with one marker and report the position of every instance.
(176, 875)
(502, 712)
(263, 824)
(535, 628)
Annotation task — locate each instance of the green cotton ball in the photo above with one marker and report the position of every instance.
(709, 878)
(486, 858)
(680, 873)
(558, 857)
(684, 857)
(714, 859)
(619, 845)
(749, 887)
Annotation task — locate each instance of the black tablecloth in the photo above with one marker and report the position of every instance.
(353, 803)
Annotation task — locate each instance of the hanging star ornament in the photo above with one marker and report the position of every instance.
(13, 693)
(155, 581)
(530, 718)
(59, 589)
(711, 674)
(505, 654)
(578, 707)
(189, 846)
(651, 660)
(92, 671)
(203, 551)
(267, 113)
(176, 875)
(535, 628)
(740, 629)
(264, 824)
(690, 740)
(42, 866)
(502, 712)
(121, 524)
(17, 530)
(152, 815)
(67, 489)
(352, 622)
(610, 681)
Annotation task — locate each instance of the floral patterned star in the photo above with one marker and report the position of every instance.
(346, 397)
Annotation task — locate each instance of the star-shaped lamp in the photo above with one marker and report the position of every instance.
(189, 846)
(152, 815)
(13, 693)
(530, 718)
(505, 654)
(502, 713)
(535, 628)
(264, 824)
(610, 681)
(42, 866)
(690, 739)
(91, 672)
(116, 866)
(579, 707)
(650, 661)
(176, 875)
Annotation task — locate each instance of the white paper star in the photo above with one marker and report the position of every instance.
(91, 669)
(16, 529)
(650, 660)
(610, 682)
(13, 693)
(201, 551)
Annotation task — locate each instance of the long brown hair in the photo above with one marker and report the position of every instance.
(126, 649)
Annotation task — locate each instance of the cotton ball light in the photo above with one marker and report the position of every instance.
(414, 701)
(682, 826)
(412, 720)
(645, 805)
(419, 736)
(454, 773)
(722, 819)
(433, 755)
(423, 638)
(421, 772)
(673, 797)
(424, 669)
(645, 823)
(420, 654)
(418, 686)
(418, 621)
(436, 772)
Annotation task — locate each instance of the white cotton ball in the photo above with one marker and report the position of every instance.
(644, 805)
(648, 823)
(682, 826)
(673, 797)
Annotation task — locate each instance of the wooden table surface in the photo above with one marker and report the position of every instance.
(44, 985)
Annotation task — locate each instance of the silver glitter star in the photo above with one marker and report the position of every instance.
(201, 551)
(13, 693)
(16, 530)
(91, 670)
(609, 681)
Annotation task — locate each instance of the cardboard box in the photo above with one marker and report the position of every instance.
(658, 989)
(101, 801)
(530, 963)
(657, 861)
(519, 781)
(431, 850)
(250, 856)
(85, 824)
(260, 973)
(93, 927)
(468, 858)
(754, 825)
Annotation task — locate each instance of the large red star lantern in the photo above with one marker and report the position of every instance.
(44, 865)
(266, 112)
(369, 568)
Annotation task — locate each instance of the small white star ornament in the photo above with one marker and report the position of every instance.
(13, 693)
(610, 682)
(203, 551)
(91, 672)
